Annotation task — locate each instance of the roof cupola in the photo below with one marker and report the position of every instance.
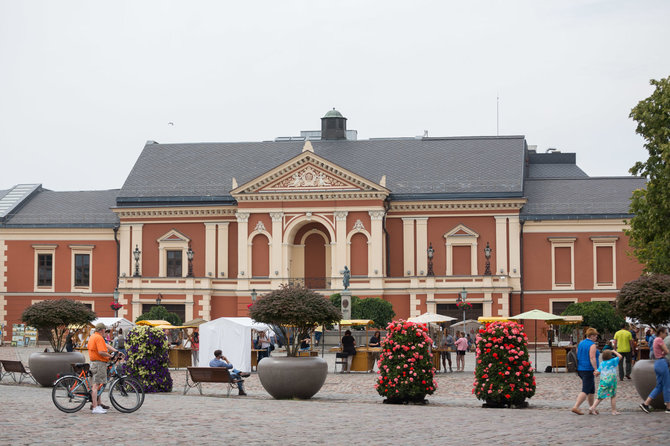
(333, 125)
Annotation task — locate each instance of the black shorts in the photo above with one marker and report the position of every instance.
(460, 352)
(588, 381)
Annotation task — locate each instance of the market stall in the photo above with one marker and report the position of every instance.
(560, 351)
(432, 320)
(233, 336)
(364, 359)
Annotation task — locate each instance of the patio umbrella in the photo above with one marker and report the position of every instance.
(537, 315)
(427, 318)
(195, 322)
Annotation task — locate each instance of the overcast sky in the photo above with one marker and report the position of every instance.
(84, 84)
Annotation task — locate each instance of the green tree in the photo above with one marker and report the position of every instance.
(650, 227)
(646, 299)
(55, 316)
(600, 315)
(160, 313)
(373, 308)
(295, 311)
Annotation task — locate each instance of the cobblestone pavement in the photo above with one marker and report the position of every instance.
(347, 410)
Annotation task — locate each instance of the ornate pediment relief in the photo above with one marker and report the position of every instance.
(173, 236)
(307, 175)
(461, 231)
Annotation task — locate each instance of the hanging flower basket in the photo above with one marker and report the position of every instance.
(464, 305)
(116, 306)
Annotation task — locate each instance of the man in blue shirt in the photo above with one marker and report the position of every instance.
(236, 375)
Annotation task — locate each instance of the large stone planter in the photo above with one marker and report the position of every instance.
(288, 377)
(45, 366)
(644, 378)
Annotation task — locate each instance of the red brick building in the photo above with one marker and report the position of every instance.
(255, 215)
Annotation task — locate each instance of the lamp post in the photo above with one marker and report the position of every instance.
(431, 253)
(487, 254)
(253, 296)
(116, 301)
(189, 256)
(462, 298)
(136, 255)
(159, 298)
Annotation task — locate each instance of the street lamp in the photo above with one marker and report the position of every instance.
(487, 254)
(253, 295)
(189, 256)
(116, 301)
(463, 295)
(136, 255)
(159, 298)
(431, 253)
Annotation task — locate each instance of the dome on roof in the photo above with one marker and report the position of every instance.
(333, 114)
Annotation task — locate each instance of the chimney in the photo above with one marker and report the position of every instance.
(333, 126)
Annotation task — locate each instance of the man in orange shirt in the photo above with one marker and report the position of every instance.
(98, 351)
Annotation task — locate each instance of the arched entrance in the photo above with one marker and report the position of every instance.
(309, 256)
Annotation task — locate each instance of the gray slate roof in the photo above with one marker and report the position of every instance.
(443, 167)
(579, 198)
(67, 209)
(555, 171)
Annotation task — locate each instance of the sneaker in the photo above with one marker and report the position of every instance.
(245, 374)
(98, 410)
(242, 393)
(645, 408)
(667, 410)
(99, 405)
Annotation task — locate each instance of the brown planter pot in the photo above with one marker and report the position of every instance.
(45, 366)
(288, 377)
(644, 378)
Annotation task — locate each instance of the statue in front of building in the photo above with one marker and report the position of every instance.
(346, 275)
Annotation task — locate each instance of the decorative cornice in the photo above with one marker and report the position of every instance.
(312, 196)
(469, 205)
(180, 212)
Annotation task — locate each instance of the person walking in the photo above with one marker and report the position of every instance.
(662, 371)
(608, 382)
(448, 346)
(587, 364)
(461, 348)
(623, 343)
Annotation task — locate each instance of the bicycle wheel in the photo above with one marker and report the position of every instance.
(69, 394)
(126, 394)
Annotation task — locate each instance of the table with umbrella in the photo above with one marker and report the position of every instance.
(431, 319)
(536, 315)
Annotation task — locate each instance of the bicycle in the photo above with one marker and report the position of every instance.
(71, 392)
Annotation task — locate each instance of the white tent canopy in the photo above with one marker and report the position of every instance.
(427, 318)
(114, 322)
(231, 335)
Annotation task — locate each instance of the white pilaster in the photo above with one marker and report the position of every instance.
(421, 245)
(124, 250)
(408, 246)
(514, 246)
(276, 266)
(242, 242)
(210, 250)
(137, 241)
(501, 245)
(340, 251)
(222, 253)
(377, 243)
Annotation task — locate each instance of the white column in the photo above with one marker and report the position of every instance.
(206, 303)
(422, 245)
(3, 271)
(210, 250)
(276, 244)
(242, 236)
(501, 245)
(377, 243)
(137, 241)
(124, 250)
(340, 251)
(222, 252)
(408, 246)
(514, 246)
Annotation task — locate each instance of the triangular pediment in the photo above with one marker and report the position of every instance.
(308, 173)
(461, 231)
(173, 236)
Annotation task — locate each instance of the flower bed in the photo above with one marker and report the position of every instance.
(147, 349)
(503, 375)
(405, 368)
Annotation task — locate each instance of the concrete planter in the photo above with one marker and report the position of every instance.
(644, 379)
(288, 377)
(45, 366)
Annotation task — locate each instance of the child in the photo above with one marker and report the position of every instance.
(608, 380)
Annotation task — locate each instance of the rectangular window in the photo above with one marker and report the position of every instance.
(604, 265)
(563, 265)
(45, 270)
(462, 261)
(559, 306)
(82, 269)
(174, 264)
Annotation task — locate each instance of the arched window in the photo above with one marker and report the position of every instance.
(260, 256)
(359, 254)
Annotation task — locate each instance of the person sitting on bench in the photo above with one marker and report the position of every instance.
(236, 375)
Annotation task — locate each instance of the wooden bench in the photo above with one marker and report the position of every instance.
(10, 368)
(197, 375)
